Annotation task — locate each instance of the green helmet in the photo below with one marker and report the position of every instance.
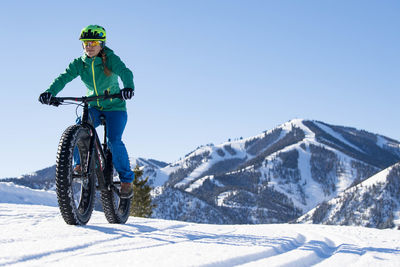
(93, 32)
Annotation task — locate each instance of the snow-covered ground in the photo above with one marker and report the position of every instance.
(36, 235)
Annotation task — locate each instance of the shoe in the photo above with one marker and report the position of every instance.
(126, 190)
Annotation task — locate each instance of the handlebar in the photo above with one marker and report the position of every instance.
(55, 101)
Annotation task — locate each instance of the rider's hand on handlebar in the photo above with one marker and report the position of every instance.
(45, 97)
(127, 93)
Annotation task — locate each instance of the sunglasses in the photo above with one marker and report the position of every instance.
(92, 43)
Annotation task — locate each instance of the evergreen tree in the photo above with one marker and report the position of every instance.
(141, 201)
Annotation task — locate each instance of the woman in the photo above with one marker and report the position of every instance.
(99, 69)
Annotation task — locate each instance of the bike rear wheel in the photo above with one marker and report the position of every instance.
(116, 209)
(75, 189)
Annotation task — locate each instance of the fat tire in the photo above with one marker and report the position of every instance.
(116, 210)
(72, 136)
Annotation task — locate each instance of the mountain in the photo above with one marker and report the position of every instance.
(273, 177)
(276, 176)
(44, 179)
(372, 203)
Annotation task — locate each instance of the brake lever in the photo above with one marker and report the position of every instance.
(55, 102)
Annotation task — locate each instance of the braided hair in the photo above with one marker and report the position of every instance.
(103, 55)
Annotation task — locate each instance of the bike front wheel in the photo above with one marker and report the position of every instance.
(74, 186)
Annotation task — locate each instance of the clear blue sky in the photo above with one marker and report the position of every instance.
(205, 71)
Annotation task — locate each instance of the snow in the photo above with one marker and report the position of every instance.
(312, 189)
(313, 192)
(36, 235)
(384, 143)
(11, 193)
(199, 182)
(396, 219)
(380, 177)
(196, 173)
(381, 141)
(310, 135)
(210, 161)
(336, 135)
(159, 178)
(221, 197)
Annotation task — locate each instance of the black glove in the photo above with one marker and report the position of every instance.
(45, 97)
(127, 93)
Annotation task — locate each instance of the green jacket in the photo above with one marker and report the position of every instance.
(92, 74)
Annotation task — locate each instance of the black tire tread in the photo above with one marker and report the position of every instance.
(111, 211)
(63, 167)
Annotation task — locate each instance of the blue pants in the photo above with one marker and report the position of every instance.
(115, 121)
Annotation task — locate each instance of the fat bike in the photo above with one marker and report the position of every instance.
(83, 166)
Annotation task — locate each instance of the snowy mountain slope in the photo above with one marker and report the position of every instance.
(282, 173)
(45, 178)
(42, 179)
(151, 168)
(372, 203)
(273, 177)
(175, 204)
(12, 193)
(37, 236)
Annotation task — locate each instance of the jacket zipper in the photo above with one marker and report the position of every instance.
(109, 91)
(94, 84)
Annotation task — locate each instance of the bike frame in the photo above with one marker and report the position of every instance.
(96, 150)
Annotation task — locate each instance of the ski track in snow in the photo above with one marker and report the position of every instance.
(34, 235)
